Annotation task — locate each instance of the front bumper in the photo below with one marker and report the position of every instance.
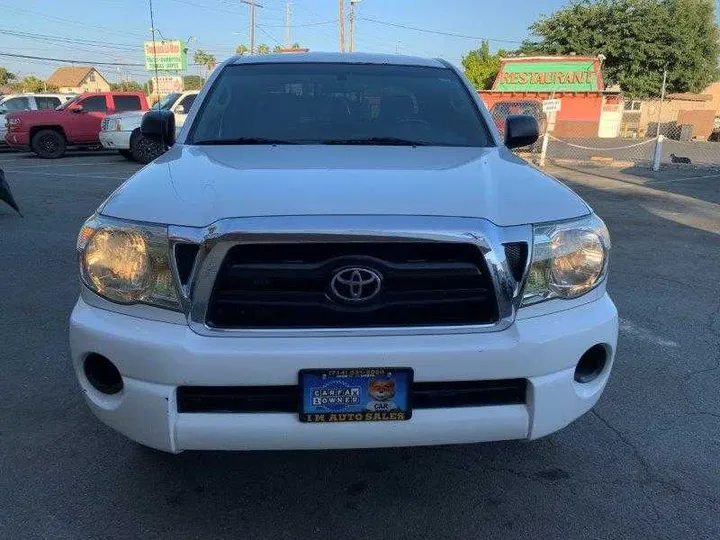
(17, 139)
(155, 358)
(115, 140)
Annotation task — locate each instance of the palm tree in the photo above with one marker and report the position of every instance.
(263, 48)
(242, 50)
(205, 59)
(278, 49)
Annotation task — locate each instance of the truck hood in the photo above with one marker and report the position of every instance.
(45, 115)
(196, 186)
(127, 115)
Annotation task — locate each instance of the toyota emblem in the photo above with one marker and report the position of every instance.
(356, 284)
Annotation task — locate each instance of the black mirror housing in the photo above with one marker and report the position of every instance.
(160, 126)
(521, 130)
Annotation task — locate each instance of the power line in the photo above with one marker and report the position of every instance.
(438, 32)
(65, 60)
(277, 42)
(69, 21)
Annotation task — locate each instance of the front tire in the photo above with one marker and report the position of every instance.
(144, 149)
(49, 144)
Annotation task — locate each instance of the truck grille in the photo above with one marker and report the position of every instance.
(290, 285)
(284, 399)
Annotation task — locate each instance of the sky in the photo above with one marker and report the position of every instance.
(91, 31)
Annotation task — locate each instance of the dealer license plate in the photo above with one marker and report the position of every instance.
(355, 395)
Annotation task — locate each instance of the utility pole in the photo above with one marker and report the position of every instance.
(662, 98)
(353, 3)
(252, 5)
(397, 47)
(288, 24)
(341, 14)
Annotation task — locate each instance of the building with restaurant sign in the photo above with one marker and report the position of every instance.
(587, 108)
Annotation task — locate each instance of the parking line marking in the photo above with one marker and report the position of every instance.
(670, 180)
(86, 175)
(71, 165)
(630, 329)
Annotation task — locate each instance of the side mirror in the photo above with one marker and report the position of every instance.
(521, 130)
(180, 109)
(159, 126)
(76, 108)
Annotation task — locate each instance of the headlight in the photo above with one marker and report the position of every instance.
(12, 122)
(569, 259)
(127, 263)
(116, 125)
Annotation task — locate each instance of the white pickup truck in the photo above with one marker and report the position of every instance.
(122, 131)
(340, 251)
(28, 102)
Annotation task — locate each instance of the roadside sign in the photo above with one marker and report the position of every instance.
(551, 105)
(166, 84)
(165, 55)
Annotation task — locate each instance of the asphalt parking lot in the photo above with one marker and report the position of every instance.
(644, 464)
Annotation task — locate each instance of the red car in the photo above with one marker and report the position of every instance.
(48, 133)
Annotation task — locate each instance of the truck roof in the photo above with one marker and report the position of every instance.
(338, 58)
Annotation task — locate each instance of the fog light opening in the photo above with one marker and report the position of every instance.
(102, 374)
(591, 364)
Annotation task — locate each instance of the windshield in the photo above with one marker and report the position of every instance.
(165, 103)
(67, 104)
(314, 103)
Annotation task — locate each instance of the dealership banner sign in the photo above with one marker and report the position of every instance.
(165, 55)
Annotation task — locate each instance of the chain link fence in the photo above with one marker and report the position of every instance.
(579, 143)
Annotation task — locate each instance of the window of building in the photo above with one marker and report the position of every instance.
(633, 105)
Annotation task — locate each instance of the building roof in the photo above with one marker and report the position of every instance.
(70, 76)
(338, 58)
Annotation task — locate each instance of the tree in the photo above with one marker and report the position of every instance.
(639, 39)
(205, 60)
(278, 48)
(481, 67)
(192, 82)
(263, 48)
(6, 76)
(242, 50)
(127, 86)
(31, 83)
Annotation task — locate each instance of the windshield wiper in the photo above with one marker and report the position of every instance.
(243, 140)
(377, 141)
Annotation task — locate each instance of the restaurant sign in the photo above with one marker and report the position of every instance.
(165, 55)
(547, 76)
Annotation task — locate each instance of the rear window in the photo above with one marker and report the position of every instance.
(126, 103)
(315, 103)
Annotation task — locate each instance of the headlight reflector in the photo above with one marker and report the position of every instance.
(127, 263)
(569, 259)
(117, 264)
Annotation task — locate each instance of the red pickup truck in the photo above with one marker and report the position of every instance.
(75, 123)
